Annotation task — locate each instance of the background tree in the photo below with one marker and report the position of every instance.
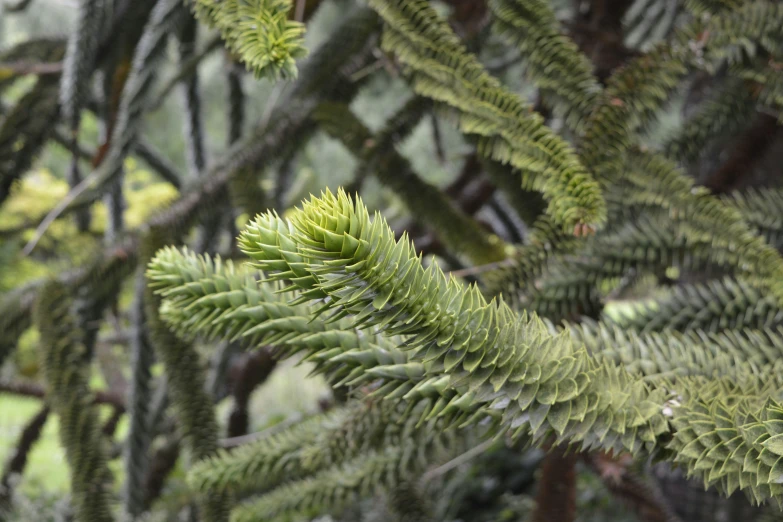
(567, 308)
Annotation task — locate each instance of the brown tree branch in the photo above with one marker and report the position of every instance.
(18, 460)
(245, 376)
(32, 389)
(24, 67)
(642, 497)
(556, 496)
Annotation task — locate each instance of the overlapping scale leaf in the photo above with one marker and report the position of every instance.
(264, 462)
(442, 69)
(668, 355)
(540, 383)
(728, 435)
(427, 203)
(767, 78)
(185, 383)
(724, 113)
(718, 305)
(553, 61)
(657, 181)
(303, 453)
(259, 32)
(334, 488)
(573, 282)
(214, 299)
(739, 33)
(633, 95)
(528, 262)
(762, 210)
(65, 369)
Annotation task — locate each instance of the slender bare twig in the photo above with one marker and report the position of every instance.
(233, 442)
(18, 460)
(63, 204)
(32, 389)
(458, 461)
(23, 67)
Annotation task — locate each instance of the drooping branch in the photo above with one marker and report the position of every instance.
(68, 392)
(186, 384)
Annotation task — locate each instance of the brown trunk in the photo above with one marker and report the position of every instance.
(556, 496)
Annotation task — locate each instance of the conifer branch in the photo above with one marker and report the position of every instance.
(553, 61)
(658, 182)
(259, 32)
(336, 255)
(25, 130)
(424, 201)
(715, 306)
(401, 292)
(133, 104)
(21, 450)
(80, 59)
(725, 113)
(64, 367)
(186, 385)
(508, 132)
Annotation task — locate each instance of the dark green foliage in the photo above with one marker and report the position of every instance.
(508, 132)
(193, 128)
(186, 385)
(139, 398)
(65, 370)
(553, 60)
(25, 130)
(80, 61)
(723, 114)
(148, 55)
(712, 307)
(461, 232)
(15, 308)
(546, 387)
(761, 210)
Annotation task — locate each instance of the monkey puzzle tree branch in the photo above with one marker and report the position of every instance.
(425, 201)
(65, 370)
